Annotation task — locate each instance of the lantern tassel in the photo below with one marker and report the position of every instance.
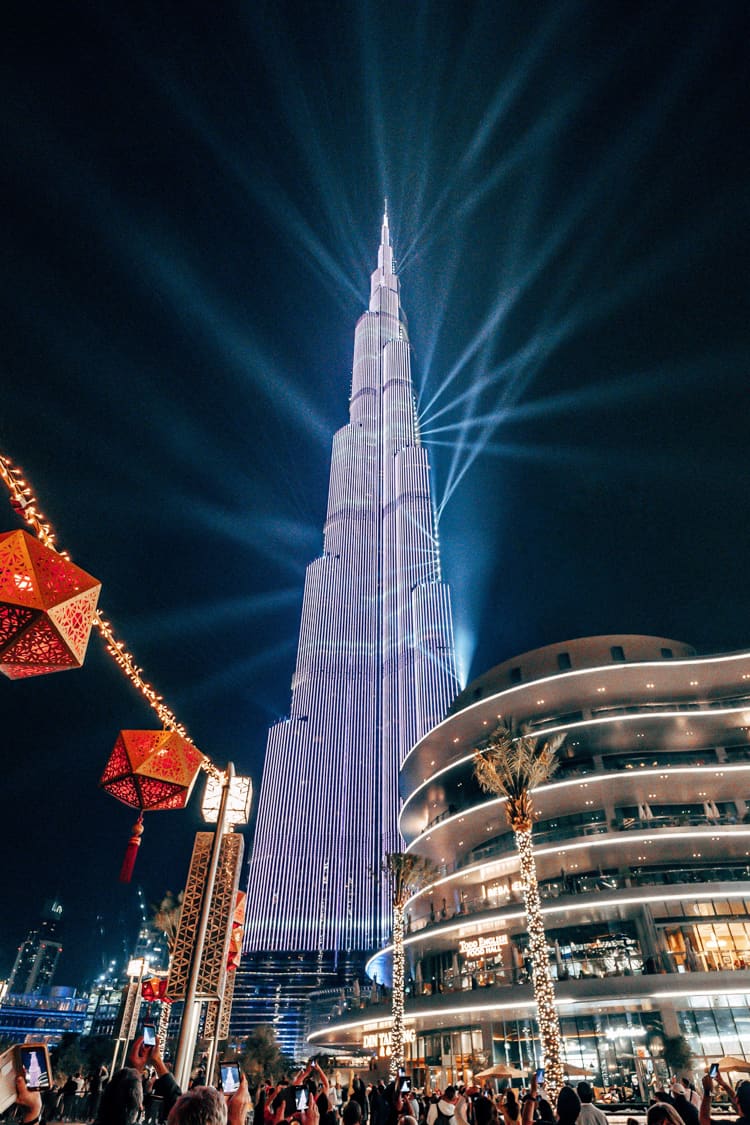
(128, 863)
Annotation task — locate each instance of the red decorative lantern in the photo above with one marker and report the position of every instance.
(154, 988)
(150, 769)
(47, 607)
(238, 929)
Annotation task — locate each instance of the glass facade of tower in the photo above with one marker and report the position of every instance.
(375, 671)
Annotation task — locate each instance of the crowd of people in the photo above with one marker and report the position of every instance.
(76, 1099)
(145, 1093)
(393, 1103)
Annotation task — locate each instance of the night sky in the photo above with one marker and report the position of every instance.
(192, 202)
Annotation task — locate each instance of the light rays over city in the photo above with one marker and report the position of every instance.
(474, 383)
(193, 206)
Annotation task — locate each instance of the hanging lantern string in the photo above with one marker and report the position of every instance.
(24, 502)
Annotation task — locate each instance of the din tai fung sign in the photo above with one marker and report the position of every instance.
(379, 1042)
(481, 947)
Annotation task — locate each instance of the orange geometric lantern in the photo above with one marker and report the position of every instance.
(154, 988)
(47, 606)
(150, 769)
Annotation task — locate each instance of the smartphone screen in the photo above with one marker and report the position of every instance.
(149, 1035)
(405, 1085)
(230, 1077)
(540, 1076)
(714, 1070)
(35, 1065)
(301, 1098)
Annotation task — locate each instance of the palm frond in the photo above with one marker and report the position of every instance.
(511, 764)
(408, 873)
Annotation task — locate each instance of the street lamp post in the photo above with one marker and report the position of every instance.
(130, 1010)
(191, 1012)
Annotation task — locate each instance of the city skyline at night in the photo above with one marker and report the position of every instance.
(192, 202)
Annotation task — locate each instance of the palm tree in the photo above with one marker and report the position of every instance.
(167, 917)
(512, 764)
(407, 874)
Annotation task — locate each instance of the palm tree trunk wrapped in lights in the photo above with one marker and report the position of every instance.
(407, 874)
(510, 765)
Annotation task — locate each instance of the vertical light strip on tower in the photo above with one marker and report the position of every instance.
(375, 665)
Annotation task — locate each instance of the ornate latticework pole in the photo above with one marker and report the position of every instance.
(511, 766)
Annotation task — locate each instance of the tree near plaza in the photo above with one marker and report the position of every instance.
(261, 1057)
(511, 764)
(167, 916)
(80, 1052)
(678, 1054)
(407, 873)
(67, 1056)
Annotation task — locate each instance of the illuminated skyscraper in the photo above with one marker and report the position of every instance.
(37, 957)
(375, 671)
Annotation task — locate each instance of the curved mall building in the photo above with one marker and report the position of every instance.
(642, 845)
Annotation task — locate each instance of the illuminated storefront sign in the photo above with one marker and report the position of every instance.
(380, 1041)
(480, 947)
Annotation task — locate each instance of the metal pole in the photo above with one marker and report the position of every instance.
(189, 1026)
(137, 1000)
(211, 1064)
(130, 1001)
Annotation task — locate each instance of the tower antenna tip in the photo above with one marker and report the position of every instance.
(385, 207)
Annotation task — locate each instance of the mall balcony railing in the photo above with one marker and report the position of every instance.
(372, 1003)
(573, 885)
(494, 849)
(627, 824)
(470, 806)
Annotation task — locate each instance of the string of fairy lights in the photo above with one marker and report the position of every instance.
(544, 989)
(399, 961)
(24, 502)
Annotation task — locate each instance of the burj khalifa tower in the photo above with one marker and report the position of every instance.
(375, 670)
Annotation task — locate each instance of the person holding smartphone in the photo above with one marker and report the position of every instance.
(30, 1102)
(740, 1098)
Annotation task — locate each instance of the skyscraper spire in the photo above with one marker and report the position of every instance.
(375, 670)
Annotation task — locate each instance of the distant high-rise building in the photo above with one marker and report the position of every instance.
(37, 958)
(375, 671)
(151, 943)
